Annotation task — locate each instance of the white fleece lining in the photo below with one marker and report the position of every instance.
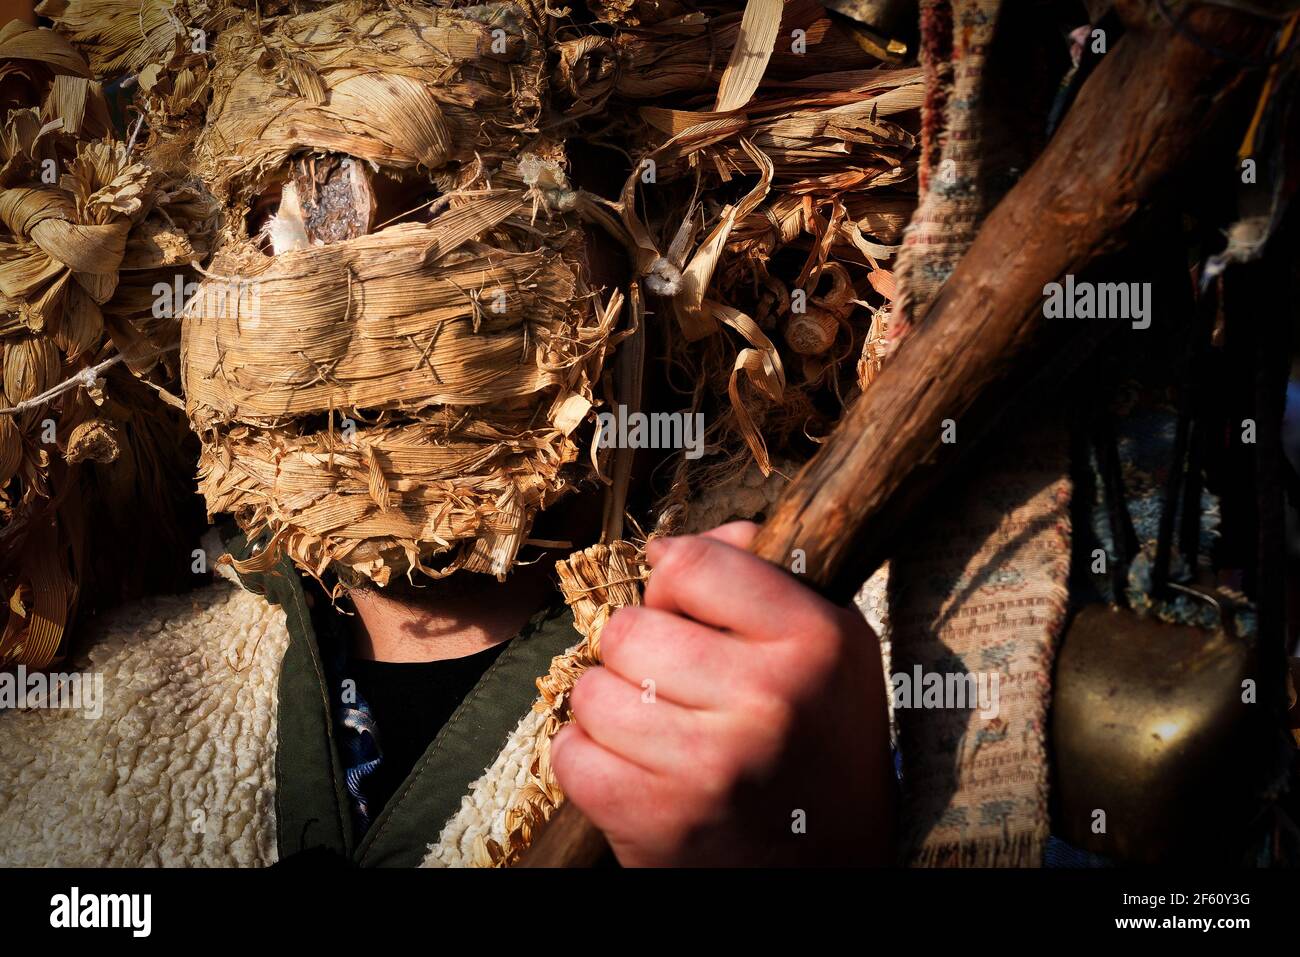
(180, 768)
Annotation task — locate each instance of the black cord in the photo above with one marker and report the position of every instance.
(1123, 535)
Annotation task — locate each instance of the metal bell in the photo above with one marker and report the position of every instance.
(1157, 740)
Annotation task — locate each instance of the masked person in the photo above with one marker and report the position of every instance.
(385, 410)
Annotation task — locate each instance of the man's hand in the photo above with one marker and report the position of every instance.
(739, 718)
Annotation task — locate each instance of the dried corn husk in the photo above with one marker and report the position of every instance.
(121, 37)
(373, 84)
(690, 49)
(174, 94)
(596, 582)
(29, 60)
(824, 144)
(164, 49)
(749, 56)
(635, 12)
(456, 407)
(86, 231)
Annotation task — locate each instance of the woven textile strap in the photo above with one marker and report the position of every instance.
(978, 591)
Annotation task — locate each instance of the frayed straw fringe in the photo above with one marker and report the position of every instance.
(596, 581)
(1021, 850)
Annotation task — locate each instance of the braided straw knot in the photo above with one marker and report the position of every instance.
(67, 247)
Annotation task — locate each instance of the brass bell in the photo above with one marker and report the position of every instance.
(1160, 740)
(1157, 741)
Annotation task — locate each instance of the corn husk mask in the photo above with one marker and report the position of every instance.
(389, 398)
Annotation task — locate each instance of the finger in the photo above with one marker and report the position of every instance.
(608, 788)
(686, 662)
(721, 585)
(640, 727)
(736, 534)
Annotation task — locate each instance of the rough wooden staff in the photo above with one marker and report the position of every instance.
(1157, 97)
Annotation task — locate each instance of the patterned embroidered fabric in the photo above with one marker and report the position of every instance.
(980, 587)
(355, 730)
(359, 750)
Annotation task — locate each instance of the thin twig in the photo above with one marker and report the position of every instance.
(85, 379)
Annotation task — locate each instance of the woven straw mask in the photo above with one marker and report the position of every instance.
(402, 397)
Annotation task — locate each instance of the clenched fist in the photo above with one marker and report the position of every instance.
(739, 718)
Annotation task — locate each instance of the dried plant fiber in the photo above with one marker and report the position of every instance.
(375, 401)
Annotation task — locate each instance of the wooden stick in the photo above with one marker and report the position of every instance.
(1141, 116)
